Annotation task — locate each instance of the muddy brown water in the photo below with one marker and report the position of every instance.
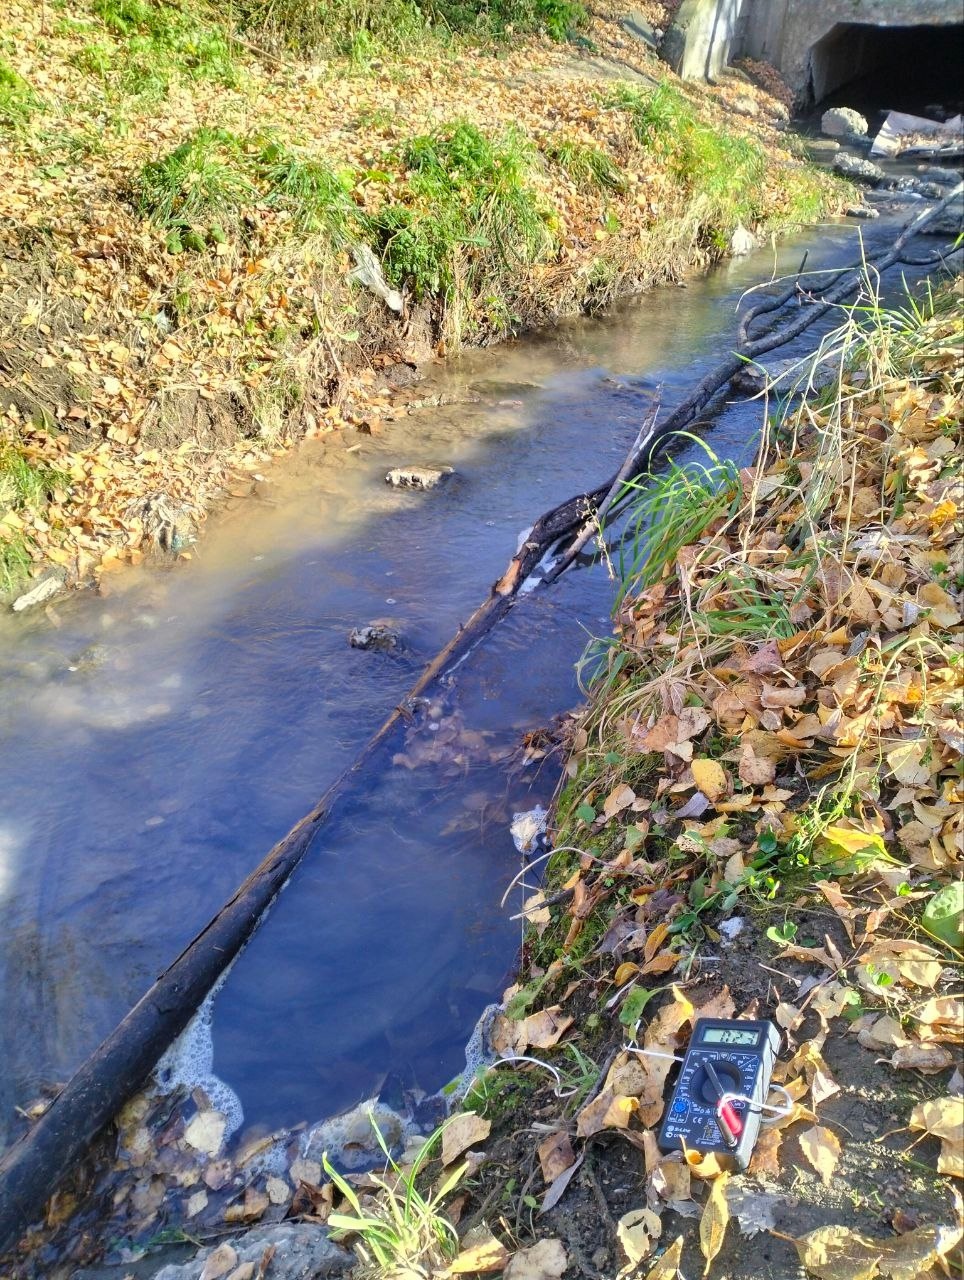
(156, 742)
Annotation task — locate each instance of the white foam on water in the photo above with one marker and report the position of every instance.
(189, 1062)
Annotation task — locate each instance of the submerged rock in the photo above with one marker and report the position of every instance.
(839, 122)
(418, 477)
(857, 167)
(301, 1252)
(379, 636)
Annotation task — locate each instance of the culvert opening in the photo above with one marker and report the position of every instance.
(912, 68)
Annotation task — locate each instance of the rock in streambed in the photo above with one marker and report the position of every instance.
(426, 477)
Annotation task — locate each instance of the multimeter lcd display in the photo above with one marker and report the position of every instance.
(729, 1035)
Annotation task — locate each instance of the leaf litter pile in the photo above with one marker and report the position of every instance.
(206, 254)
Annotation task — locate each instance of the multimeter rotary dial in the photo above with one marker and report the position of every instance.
(704, 1087)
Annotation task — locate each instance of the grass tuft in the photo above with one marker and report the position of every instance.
(199, 187)
(586, 166)
(472, 221)
(18, 102)
(318, 199)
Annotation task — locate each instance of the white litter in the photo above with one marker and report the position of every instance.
(368, 272)
(903, 134)
(527, 828)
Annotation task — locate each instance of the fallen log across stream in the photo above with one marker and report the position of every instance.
(34, 1166)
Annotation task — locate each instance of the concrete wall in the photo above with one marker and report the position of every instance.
(707, 34)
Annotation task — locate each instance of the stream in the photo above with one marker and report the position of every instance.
(159, 739)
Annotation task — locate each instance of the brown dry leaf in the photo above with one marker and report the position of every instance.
(545, 1260)
(555, 1155)
(619, 798)
(605, 1112)
(546, 1027)
(927, 1058)
(951, 1159)
(839, 1253)
(464, 1131)
(710, 777)
(637, 1232)
(205, 1132)
(481, 1257)
(509, 1036)
(941, 1117)
(713, 1223)
(822, 1149)
(909, 762)
(672, 1178)
(766, 1153)
(220, 1262)
(754, 770)
(558, 1188)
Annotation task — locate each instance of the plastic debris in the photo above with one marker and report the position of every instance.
(368, 271)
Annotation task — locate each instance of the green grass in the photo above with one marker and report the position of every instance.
(141, 46)
(18, 102)
(199, 187)
(360, 29)
(471, 223)
(318, 199)
(722, 174)
(15, 562)
(23, 485)
(586, 166)
(670, 511)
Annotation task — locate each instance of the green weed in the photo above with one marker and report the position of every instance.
(18, 102)
(201, 185)
(402, 1230)
(358, 29)
(15, 562)
(152, 42)
(317, 198)
(670, 511)
(24, 483)
(471, 224)
(586, 166)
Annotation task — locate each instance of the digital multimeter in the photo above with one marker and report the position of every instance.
(721, 1088)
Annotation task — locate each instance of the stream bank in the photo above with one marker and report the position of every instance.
(185, 253)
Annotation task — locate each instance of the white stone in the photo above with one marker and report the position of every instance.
(838, 122)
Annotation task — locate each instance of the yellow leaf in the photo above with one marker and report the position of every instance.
(464, 1131)
(638, 1232)
(710, 777)
(942, 1117)
(713, 1223)
(625, 972)
(854, 842)
(618, 799)
(667, 1265)
(839, 1253)
(486, 1255)
(608, 1111)
(822, 1149)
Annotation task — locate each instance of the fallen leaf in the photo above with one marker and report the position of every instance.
(546, 1027)
(464, 1131)
(713, 1223)
(755, 770)
(605, 1112)
(839, 1253)
(546, 1260)
(219, 1263)
(637, 1232)
(483, 1256)
(927, 1058)
(619, 798)
(205, 1132)
(667, 1264)
(555, 1155)
(766, 1153)
(558, 1188)
(710, 777)
(822, 1149)
(941, 1117)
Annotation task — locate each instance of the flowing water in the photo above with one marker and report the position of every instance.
(159, 740)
